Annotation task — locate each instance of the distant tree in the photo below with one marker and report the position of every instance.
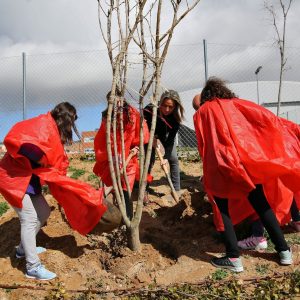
(285, 6)
(137, 23)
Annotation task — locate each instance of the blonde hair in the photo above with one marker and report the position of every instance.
(178, 111)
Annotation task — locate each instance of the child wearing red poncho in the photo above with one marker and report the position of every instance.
(251, 163)
(131, 127)
(35, 153)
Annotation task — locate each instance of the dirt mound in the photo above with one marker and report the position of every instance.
(178, 241)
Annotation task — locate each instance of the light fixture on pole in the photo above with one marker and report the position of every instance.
(256, 73)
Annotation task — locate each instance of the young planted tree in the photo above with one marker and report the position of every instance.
(280, 38)
(141, 25)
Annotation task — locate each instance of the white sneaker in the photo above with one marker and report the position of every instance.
(286, 257)
(40, 273)
(253, 243)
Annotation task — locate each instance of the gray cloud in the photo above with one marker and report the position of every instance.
(237, 32)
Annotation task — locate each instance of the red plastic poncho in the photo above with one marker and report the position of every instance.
(82, 204)
(131, 139)
(243, 144)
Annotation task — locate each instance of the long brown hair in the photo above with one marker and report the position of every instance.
(65, 116)
(216, 88)
(125, 108)
(178, 111)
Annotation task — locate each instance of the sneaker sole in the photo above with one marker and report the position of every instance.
(33, 277)
(233, 269)
(286, 262)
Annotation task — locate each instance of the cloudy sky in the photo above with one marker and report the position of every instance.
(45, 26)
(239, 34)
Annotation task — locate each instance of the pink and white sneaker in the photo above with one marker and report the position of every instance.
(296, 225)
(253, 243)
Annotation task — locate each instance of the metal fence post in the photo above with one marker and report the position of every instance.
(205, 59)
(24, 84)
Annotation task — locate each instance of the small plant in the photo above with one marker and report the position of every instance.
(92, 177)
(3, 208)
(232, 289)
(262, 269)
(58, 293)
(77, 173)
(71, 169)
(219, 274)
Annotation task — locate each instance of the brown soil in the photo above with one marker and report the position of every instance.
(178, 241)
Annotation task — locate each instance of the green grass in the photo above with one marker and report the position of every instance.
(77, 173)
(3, 208)
(92, 177)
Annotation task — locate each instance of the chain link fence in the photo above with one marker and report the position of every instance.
(84, 78)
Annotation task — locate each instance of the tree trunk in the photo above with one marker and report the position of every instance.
(134, 238)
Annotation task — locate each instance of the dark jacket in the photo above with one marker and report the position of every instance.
(166, 128)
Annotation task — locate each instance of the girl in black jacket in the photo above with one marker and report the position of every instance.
(169, 117)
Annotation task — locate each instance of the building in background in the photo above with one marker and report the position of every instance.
(84, 146)
(74, 148)
(87, 138)
(290, 103)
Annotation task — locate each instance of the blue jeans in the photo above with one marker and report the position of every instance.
(174, 166)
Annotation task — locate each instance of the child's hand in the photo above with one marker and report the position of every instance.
(135, 150)
(164, 162)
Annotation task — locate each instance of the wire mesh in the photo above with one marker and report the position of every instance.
(84, 78)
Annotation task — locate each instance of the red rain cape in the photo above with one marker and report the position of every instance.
(243, 144)
(131, 139)
(82, 204)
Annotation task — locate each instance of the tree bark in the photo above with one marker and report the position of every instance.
(134, 238)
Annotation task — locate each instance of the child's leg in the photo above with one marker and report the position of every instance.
(260, 204)
(42, 209)
(174, 168)
(295, 212)
(29, 223)
(229, 233)
(43, 212)
(257, 228)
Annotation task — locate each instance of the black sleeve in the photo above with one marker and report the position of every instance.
(32, 152)
(148, 115)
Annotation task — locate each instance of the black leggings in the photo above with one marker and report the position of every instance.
(295, 211)
(260, 204)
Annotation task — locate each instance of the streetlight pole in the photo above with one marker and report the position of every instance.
(257, 89)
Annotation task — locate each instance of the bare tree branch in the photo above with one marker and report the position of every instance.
(130, 21)
(280, 40)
